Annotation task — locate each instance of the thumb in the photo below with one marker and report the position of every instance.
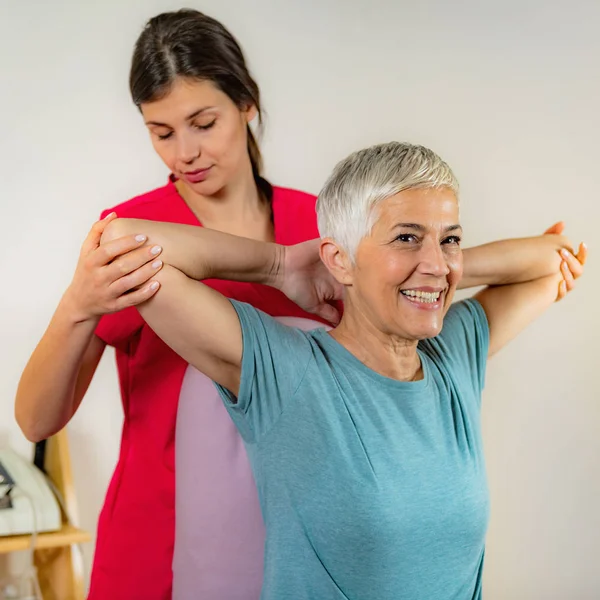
(92, 241)
(329, 313)
(555, 229)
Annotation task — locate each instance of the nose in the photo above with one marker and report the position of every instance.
(433, 260)
(188, 148)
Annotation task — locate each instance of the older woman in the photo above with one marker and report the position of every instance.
(365, 441)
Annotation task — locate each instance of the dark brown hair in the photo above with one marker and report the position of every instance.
(188, 43)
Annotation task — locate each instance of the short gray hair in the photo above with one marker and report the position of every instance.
(345, 207)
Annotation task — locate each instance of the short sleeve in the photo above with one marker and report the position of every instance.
(275, 358)
(464, 340)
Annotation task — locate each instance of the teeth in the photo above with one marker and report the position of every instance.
(427, 297)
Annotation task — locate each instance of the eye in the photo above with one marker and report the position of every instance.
(407, 238)
(166, 136)
(452, 239)
(205, 127)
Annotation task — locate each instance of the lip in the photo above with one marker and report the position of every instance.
(424, 289)
(437, 305)
(197, 175)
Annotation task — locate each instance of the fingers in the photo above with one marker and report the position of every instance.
(329, 313)
(109, 251)
(575, 262)
(568, 278)
(582, 253)
(137, 296)
(555, 229)
(92, 241)
(571, 268)
(136, 278)
(130, 261)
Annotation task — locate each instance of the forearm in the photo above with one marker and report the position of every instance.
(47, 393)
(512, 261)
(203, 253)
(511, 308)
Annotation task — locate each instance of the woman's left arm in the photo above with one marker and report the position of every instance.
(515, 260)
(512, 306)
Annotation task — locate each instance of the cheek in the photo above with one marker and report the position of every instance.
(165, 153)
(397, 267)
(227, 144)
(383, 275)
(455, 264)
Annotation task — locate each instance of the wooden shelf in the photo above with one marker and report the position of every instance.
(54, 539)
(60, 575)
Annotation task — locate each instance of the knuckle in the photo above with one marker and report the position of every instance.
(104, 253)
(111, 306)
(121, 267)
(86, 263)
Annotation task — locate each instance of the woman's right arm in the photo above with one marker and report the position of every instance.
(107, 279)
(199, 323)
(57, 375)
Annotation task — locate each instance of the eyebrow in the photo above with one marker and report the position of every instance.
(421, 228)
(188, 118)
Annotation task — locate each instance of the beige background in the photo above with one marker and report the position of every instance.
(507, 92)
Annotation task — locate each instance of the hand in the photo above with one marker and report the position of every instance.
(110, 276)
(571, 267)
(306, 280)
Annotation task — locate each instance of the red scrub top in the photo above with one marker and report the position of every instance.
(135, 540)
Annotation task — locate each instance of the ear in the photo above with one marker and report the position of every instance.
(250, 113)
(337, 261)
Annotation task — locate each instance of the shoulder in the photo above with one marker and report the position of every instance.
(464, 314)
(295, 215)
(463, 343)
(155, 204)
(293, 197)
(264, 334)
(465, 327)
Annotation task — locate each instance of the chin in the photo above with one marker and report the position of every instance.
(423, 331)
(426, 335)
(206, 188)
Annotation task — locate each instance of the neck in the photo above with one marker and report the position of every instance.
(236, 208)
(386, 354)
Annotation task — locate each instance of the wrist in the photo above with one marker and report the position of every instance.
(70, 311)
(275, 276)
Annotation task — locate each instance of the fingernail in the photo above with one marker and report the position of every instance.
(584, 245)
(109, 215)
(155, 249)
(140, 238)
(564, 254)
(154, 285)
(156, 264)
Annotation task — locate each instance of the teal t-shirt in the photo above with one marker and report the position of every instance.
(371, 488)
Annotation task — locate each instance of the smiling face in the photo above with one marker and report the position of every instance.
(200, 135)
(406, 271)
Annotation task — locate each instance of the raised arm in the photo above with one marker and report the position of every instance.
(514, 260)
(510, 307)
(200, 324)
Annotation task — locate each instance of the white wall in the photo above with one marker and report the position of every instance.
(508, 93)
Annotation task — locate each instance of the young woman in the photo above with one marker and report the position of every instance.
(191, 84)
